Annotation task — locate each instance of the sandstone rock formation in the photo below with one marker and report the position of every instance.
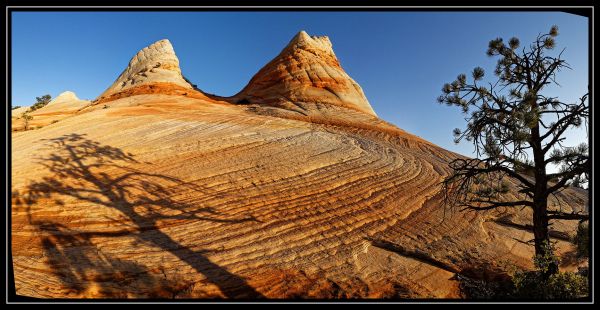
(156, 63)
(65, 102)
(64, 97)
(64, 105)
(305, 72)
(178, 196)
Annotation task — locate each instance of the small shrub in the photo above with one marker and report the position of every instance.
(563, 285)
(527, 284)
(530, 284)
(546, 262)
(26, 119)
(16, 107)
(481, 289)
(54, 121)
(582, 240)
(567, 285)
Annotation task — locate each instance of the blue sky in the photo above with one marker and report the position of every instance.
(401, 59)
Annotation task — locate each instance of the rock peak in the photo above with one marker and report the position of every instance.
(64, 97)
(162, 41)
(306, 71)
(301, 36)
(67, 94)
(156, 63)
(305, 41)
(158, 49)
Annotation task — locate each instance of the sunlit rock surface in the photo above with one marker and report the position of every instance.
(167, 192)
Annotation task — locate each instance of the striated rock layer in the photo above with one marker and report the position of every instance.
(306, 71)
(181, 197)
(174, 194)
(156, 63)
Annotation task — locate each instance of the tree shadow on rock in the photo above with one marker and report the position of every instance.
(84, 270)
(87, 171)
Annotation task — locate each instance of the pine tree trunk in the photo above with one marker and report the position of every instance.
(540, 201)
(542, 237)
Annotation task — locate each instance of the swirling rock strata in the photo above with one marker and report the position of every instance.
(194, 199)
(306, 71)
(174, 194)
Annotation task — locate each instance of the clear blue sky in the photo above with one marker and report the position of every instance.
(401, 59)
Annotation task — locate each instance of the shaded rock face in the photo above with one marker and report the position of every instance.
(306, 71)
(155, 63)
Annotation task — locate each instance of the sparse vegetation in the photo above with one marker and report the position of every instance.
(26, 119)
(480, 289)
(16, 107)
(559, 286)
(529, 284)
(40, 102)
(582, 240)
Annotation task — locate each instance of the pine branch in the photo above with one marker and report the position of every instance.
(557, 215)
(563, 124)
(566, 176)
(490, 204)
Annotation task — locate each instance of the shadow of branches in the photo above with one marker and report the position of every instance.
(82, 268)
(87, 171)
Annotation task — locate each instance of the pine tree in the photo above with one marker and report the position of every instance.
(517, 132)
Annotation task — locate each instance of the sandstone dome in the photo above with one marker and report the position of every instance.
(64, 97)
(65, 103)
(305, 71)
(154, 64)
